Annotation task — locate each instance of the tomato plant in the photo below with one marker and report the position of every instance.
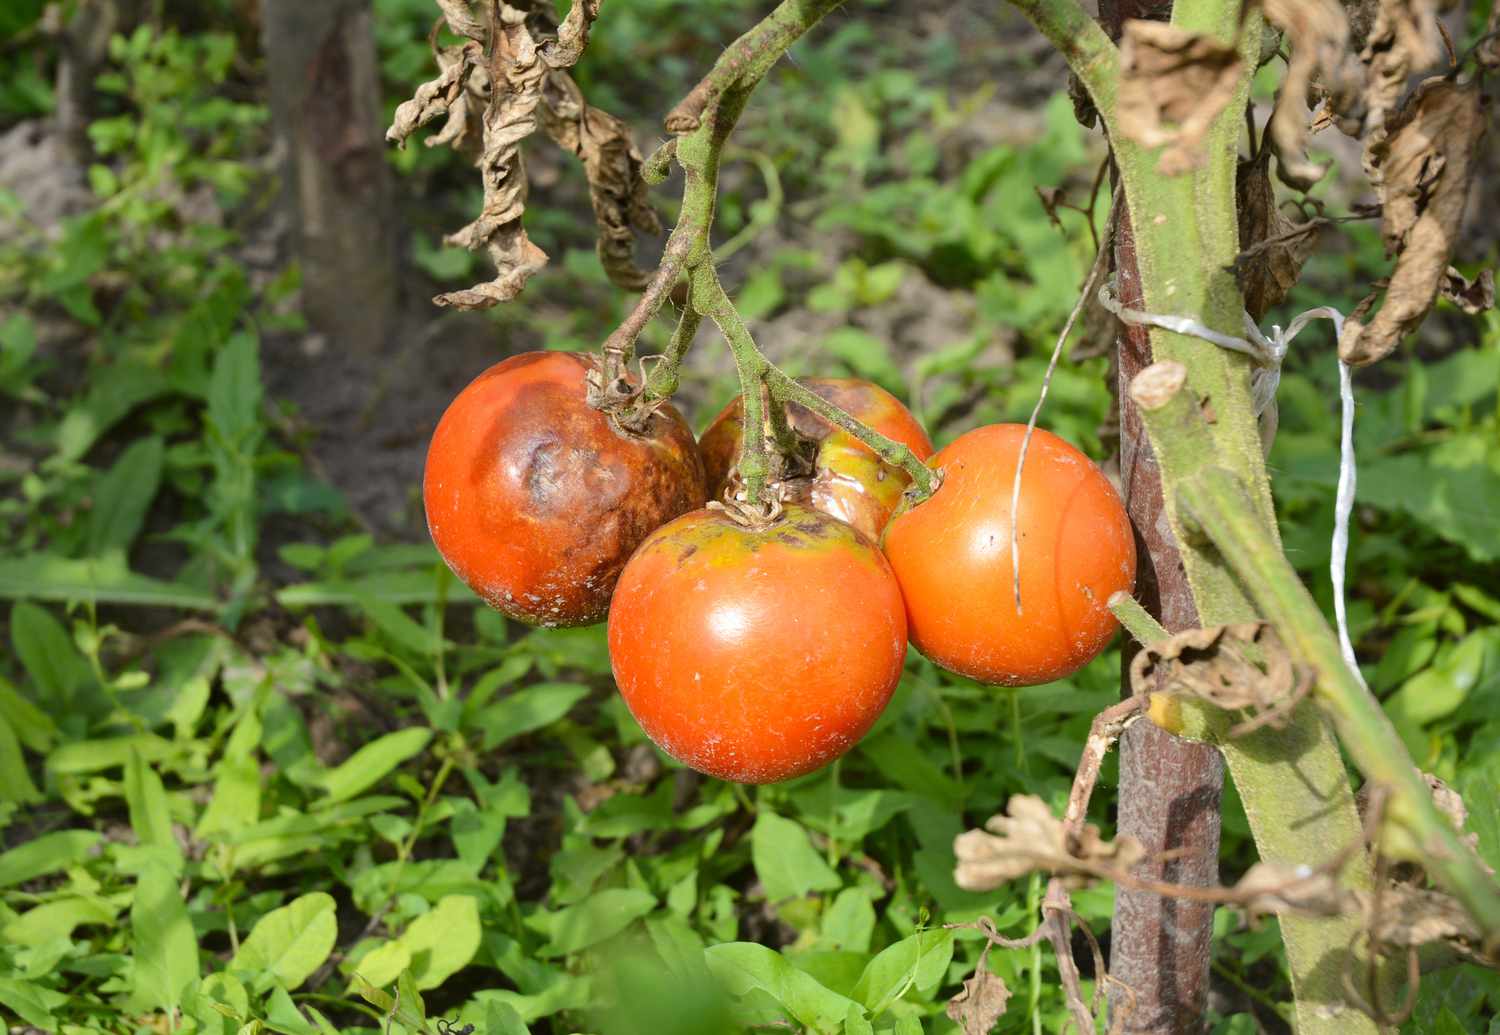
(847, 479)
(952, 555)
(757, 652)
(536, 499)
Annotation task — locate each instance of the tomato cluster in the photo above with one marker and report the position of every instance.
(760, 647)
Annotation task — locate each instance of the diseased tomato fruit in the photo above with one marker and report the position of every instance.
(536, 499)
(848, 481)
(952, 556)
(757, 654)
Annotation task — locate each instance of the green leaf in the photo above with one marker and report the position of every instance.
(591, 921)
(746, 966)
(785, 861)
(383, 964)
(235, 804)
(16, 786)
(109, 399)
(49, 853)
(527, 710)
(372, 763)
(399, 587)
(107, 581)
(291, 942)
(57, 919)
(122, 496)
(32, 726)
(90, 756)
(849, 923)
(146, 798)
(31, 1002)
(234, 389)
(47, 652)
(502, 1019)
(443, 940)
(1438, 691)
(166, 949)
(920, 962)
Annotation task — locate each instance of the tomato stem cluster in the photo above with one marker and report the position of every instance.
(702, 123)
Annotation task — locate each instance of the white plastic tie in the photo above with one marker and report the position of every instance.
(1268, 352)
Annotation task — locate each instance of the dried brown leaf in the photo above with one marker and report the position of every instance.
(1230, 666)
(982, 1001)
(449, 94)
(1172, 84)
(490, 89)
(1403, 39)
(1487, 53)
(460, 17)
(1319, 35)
(1472, 296)
(1281, 888)
(1403, 915)
(1273, 250)
(621, 202)
(1030, 838)
(1422, 172)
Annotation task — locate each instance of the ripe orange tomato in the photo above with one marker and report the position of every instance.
(848, 480)
(757, 654)
(536, 499)
(952, 556)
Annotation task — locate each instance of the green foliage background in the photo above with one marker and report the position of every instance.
(309, 786)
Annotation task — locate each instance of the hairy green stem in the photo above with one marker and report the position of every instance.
(1090, 53)
(704, 121)
(1137, 622)
(1292, 780)
(1217, 501)
(785, 389)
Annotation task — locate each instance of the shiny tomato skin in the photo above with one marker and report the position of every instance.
(849, 481)
(536, 499)
(757, 656)
(951, 554)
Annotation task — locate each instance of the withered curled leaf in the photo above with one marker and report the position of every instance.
(1403, 39)
(1319, 35)
(981, 1002)
(1272, 251)
(1472, 296)
(448, 94)
(1422, 173)
(1231, 666)
(490, 88)
(1276, 888)
(1172, 84)
(1030, 838)
(1402, 915)
(614, 168)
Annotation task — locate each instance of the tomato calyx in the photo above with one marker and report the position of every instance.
(757, 517)
(914, 496)
(613, 392)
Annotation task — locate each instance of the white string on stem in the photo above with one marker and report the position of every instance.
(1036, 411)
(1268, 352)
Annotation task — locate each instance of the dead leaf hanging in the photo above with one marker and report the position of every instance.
(1272, 252)
(1422, 173)
(981, 1002)
(1472, 296)
(1172, 85)
(1319, 35)
(1029, 838)
(613, 166)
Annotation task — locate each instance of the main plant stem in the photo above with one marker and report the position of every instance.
(1292, 781)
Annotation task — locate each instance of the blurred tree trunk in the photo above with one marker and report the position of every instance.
(1170, 789)
(326, 112)
(82, 45)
